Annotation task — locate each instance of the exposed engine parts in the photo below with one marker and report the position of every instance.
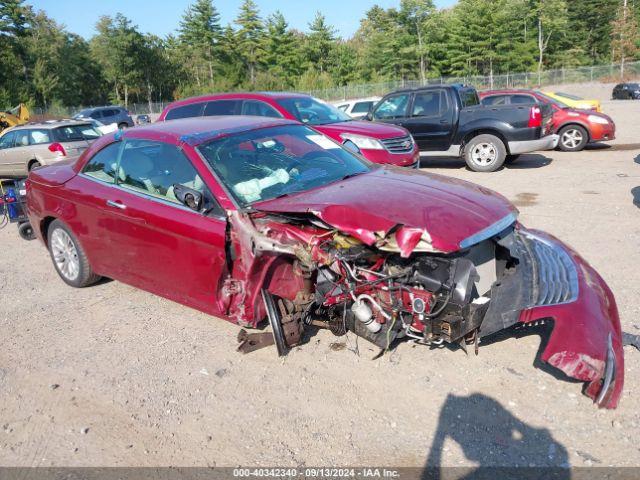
(346, 285)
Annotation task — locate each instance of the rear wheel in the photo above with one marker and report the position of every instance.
(511, 158)
(34, 164)
(573, 138)
(122, 126)
(68, 257)
(485, 153)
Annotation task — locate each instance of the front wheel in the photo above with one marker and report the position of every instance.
(573, 138)
(68, 257)
(485, 153)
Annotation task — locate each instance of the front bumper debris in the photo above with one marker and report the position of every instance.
(553, 282)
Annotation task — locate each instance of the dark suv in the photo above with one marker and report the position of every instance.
(626, 91)
(107, 115)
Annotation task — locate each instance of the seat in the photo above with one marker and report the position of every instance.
(136, 170)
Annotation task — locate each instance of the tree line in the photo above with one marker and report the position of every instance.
(44, 64)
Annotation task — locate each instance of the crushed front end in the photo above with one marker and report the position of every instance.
(387, 284)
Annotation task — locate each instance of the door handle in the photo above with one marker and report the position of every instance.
(119, 205)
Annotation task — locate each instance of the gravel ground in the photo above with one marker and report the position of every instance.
(114, 376)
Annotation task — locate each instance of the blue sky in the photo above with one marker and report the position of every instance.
(162, 16)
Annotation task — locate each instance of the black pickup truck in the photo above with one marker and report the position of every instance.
(448, 120)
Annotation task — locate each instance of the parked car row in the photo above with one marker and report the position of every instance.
(485, 129)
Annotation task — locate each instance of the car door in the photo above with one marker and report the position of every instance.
(431, 119)
(392, 109)
(164, 246)
(6, 145)
(19, 155)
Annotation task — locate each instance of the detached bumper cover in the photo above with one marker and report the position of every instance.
(554, 282)
(548, 142)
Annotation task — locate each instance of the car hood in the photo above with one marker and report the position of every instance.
(369, 129)
(404, 210)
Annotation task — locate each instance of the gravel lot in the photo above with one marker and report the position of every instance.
(111, 375)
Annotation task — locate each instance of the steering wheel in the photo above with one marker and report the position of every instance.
(318, 155)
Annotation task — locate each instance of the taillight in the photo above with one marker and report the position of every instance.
(57, 148)
(535, 117)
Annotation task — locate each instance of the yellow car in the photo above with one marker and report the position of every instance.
(575, 102)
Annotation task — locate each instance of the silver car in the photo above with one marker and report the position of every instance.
(25, 147)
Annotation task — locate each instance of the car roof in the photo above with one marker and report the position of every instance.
(232, 95)
(197, 130)
(100, 108)
(50, 124)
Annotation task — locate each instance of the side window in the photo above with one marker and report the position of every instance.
(392, 107)
(495, 100)
(222, 107)
(429, 104)
(6, 141)
(22, 138)
(522, 99)
(343, 107)
(154, 168)
(37, 137)
(185, 111)
(258, 108)
(103, 164)
(96, 115)
(362, 107)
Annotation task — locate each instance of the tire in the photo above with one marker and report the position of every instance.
(34, 164)
(573, 138)
(25, 230)
(68, 257)
(511, 158)
(485, 153)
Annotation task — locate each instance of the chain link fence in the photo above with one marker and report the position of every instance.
(599, 73)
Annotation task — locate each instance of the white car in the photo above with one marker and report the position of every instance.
(357, 108)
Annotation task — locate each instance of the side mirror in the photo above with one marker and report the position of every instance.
(188, 196)
(351, 146)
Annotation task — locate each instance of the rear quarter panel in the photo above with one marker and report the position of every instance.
(509, 120)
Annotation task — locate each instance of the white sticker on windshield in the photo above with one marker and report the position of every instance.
(322, 142)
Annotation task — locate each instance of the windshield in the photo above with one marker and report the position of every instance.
(82, 113)
(271, 162)
(72, 133)
(552, 101)
(312, 111)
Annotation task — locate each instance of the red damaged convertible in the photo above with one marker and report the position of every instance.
(251, 218)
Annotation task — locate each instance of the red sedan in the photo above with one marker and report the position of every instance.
(576, 128)
(247, 218)
(377, 142)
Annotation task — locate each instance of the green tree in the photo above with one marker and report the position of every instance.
(200, 33)
(551, 21)
(626, 35)
(281, 52)
(319, 43)
(249, 37)
(415, 16)
(117, 48)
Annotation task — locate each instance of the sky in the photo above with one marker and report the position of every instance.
(162, 17)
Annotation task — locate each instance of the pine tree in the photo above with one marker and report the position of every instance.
(200, 34)
(280, 49)
(320, 42)
(249, 37)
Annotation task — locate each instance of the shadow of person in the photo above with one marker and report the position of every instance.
(502, 445)
(637, 159)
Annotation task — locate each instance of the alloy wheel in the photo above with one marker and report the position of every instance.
(65, 254)
(571, 138)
